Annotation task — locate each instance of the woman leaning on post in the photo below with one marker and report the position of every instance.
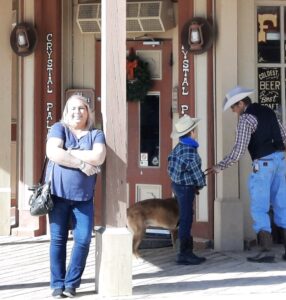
(75, 150)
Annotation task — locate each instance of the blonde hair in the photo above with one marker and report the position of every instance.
(90, 118)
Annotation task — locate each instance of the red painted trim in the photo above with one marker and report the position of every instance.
(47, 53)
(48, 25)
(211, 142)
(185, 93)
(13, 132)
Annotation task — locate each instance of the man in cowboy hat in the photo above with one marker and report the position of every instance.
(184, 169)
(259, 129)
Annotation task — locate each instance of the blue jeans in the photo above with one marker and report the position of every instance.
(185, 195)
(78, 215)
(267, 187)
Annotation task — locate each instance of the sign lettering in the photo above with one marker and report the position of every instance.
(186, 71)
(49, 117)
(262, 20)
(50, 83)
(269, 88)
(184, 108)
(49, 63)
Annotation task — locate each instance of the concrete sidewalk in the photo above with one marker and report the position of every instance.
(24, 274)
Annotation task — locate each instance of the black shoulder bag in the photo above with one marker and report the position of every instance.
(41, 201)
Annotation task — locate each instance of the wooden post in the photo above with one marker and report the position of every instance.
(228, 227)
(5, 117)
(114, 241)
(114, 110)
(40, 103)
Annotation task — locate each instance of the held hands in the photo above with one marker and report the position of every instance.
(213, 170)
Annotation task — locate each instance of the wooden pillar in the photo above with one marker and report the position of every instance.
(40, 102)
(5, 116)
(210, 131)
(114, 241)
(228, 227)
(25, 90)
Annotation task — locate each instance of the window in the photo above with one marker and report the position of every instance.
(150, 131)
(271, 67)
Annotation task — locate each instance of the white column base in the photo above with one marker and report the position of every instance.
(113, 259)
(228, 225)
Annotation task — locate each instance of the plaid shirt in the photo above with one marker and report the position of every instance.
(246, 126)
(184, 166)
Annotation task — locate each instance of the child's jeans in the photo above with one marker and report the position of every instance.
(185, 195)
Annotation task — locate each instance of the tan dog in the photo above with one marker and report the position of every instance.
(162, 213)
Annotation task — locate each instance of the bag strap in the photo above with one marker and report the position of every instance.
(44, 169)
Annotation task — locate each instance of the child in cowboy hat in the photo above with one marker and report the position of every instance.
(184, 169)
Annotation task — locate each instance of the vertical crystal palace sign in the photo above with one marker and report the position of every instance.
(186, 62)
(47, 102)
(50, 83)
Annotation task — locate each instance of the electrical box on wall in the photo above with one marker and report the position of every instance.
(89, 94)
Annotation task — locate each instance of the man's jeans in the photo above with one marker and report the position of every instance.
(185, 195)
(78, 215)
(267, 186)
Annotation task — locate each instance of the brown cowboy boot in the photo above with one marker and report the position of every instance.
(265, 255)
(284, 241)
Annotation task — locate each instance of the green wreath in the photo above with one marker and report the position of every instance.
(138, 81)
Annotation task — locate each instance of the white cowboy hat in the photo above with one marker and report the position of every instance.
(234, 95)
(184, 125)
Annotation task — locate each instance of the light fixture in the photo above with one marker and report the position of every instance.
(23, 39)
(195, 37)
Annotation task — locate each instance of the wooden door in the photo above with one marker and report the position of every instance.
(149, 126)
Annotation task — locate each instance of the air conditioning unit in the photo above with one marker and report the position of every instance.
(89, 18)
(141, 16)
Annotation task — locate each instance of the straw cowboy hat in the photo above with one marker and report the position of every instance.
(234, 95)
(184, 125)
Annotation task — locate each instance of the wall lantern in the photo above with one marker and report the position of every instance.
(197, 35)
(23, 39)
(195, 38)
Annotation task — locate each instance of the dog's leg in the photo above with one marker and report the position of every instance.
(137, 226)
(137, 238)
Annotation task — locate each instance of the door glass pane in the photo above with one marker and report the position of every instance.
(268, 34)
(269, 89)
(149, 132)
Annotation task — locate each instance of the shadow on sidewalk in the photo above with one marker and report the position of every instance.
(196, 285)
(35, 285)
